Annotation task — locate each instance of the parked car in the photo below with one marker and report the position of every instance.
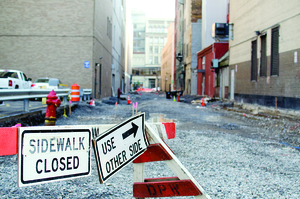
(14, 79)
(47, 83)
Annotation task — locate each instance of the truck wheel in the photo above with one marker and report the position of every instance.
(17, 87)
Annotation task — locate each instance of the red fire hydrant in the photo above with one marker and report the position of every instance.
(52, 103)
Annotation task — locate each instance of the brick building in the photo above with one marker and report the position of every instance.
(206, 79)
(264, 52)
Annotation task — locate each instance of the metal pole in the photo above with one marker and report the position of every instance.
(26, 105)
(100, 80)
(95, 80)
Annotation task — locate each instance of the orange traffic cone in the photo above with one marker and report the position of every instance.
(128, 100)
(92, 103)
(203, 103)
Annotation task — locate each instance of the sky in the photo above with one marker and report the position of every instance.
(155, 8)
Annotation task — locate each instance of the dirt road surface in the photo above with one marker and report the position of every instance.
(232, 153)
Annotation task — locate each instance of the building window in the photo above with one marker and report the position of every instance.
(275, 51)
(161, 40)
(150, 29)
(203, 63)
(150, 39)
(161, 47)
(187, 49)
(263, 56)
(155, 60)
(162, 29)
(134, 26)
(156, 49)
(254, 60)
(152, 83)
(150, 60)
(155, 40)
(109, 29)
(151, 49)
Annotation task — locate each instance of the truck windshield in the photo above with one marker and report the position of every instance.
(53, 82)
(8, 74)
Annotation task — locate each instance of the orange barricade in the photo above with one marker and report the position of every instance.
(75, 94)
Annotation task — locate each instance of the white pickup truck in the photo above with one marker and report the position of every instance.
(14, 79)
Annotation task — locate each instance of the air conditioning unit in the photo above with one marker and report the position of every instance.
(215, 63)
(220, 30)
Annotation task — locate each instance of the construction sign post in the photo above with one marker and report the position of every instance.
(52, 154)
(184, 184)
(119, 146)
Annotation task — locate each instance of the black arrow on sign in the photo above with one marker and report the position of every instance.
(133, 131)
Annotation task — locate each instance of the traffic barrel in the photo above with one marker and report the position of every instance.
(75, 95)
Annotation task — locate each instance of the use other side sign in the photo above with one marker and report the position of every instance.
(120, 145)
(48, 154)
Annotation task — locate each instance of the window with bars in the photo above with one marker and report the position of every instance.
(263, 56)
(254, 60)
(275, 51)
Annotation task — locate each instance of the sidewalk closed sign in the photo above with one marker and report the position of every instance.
(120, 145)
(49, 154)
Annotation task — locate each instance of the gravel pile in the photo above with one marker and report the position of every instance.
(230, 155)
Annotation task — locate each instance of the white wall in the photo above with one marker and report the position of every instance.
(213, 11)
(116, 44)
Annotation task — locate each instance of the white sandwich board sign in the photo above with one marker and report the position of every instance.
(119, 146)
(48, 154)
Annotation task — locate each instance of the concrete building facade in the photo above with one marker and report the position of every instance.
(118, 47)
(128, 48)
(196, 46)
(68, 40)
(167, 61)
(264, 53)
(188, 17)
